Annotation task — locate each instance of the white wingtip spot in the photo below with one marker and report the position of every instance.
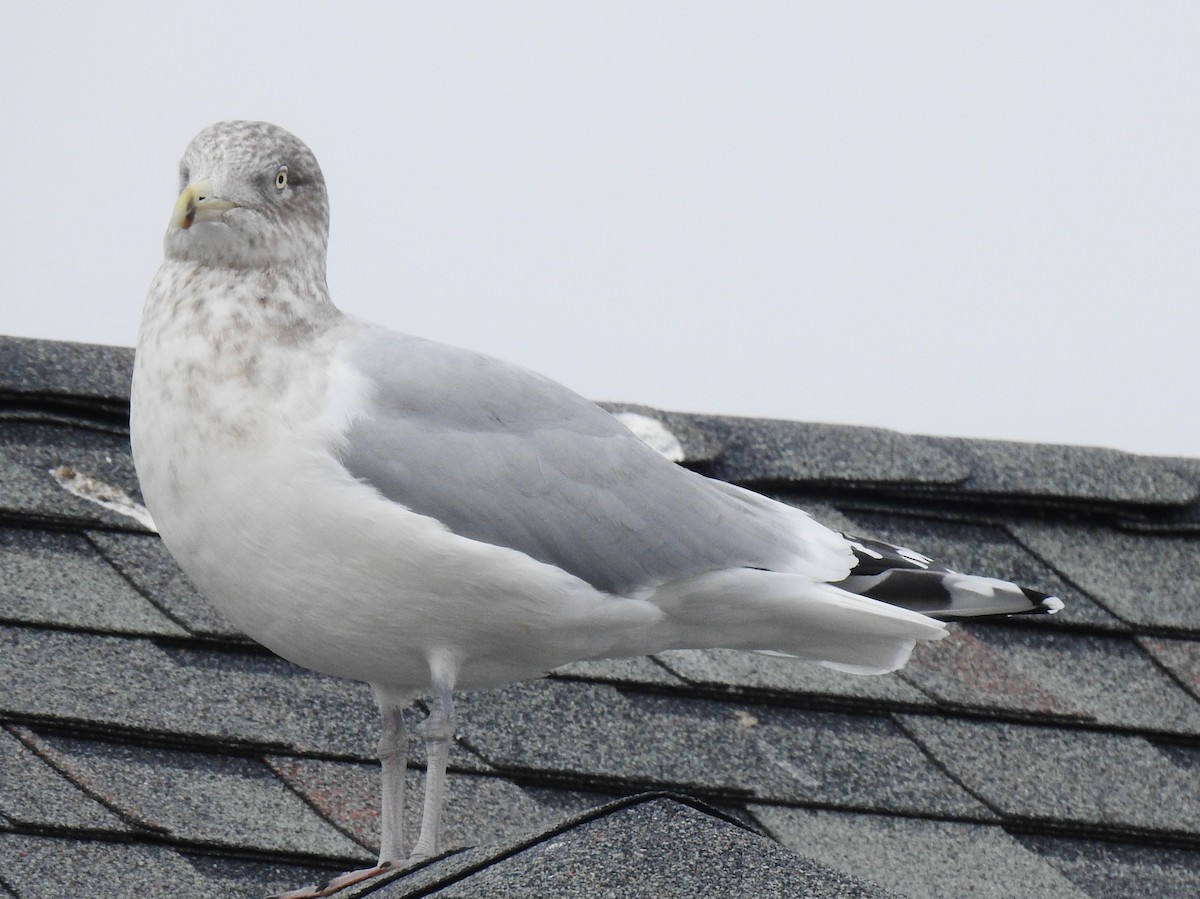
(973, 585)
(653, 433)
(112, 498)
(921, 561)
(1052, 605)
(864, 550)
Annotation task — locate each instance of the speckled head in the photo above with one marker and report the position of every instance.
(252, 196)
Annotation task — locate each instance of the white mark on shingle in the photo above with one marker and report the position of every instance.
(745, 719)
(110, 497)
(773, 755)
(653, 433)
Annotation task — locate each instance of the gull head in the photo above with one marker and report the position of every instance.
(251, 196)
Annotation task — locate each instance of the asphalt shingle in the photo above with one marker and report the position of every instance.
(1108, 869)
(59, 579)
(1106, 679)
(656, 848)
(146, 563)
(773, 451)
(643, 671)
(1150, 580)
(48, 369)
(917, 858)
(1180, 657)
(480, 809)
(33, 794)
(229, 801)
(1113, 783)
(29, 451)
(134, 684)
(39, 867)
(1061, 474)
(145, 740)
(596, 734)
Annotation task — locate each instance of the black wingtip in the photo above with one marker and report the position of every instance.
(1043, 603)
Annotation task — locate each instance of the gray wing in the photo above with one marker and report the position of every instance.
(504, 456)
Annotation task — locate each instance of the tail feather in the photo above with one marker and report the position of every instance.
(907, 579)
(790, 614)
(867, 623)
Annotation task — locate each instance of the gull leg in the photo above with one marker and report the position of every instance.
(393, 757)
(438, 730)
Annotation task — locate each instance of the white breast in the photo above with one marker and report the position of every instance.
(251, 500)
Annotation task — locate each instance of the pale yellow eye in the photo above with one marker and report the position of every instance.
(281, 178)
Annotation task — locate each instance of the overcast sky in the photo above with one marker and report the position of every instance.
(946, 217)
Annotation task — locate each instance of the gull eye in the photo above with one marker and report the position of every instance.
(281, 178)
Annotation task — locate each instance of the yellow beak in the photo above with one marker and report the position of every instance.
(197, 204)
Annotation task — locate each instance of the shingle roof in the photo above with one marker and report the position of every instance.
(145, 740)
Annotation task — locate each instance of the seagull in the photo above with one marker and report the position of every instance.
(376, 506)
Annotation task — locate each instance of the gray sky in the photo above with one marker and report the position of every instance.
(943, 217)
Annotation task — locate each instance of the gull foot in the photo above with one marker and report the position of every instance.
(335, 883)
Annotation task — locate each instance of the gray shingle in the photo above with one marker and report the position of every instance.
(200, 798)
(767, 450)
(828, 515)
(47, 368)
(41, 867)
(1147, 579)
(821, 755)
(1106, 869)
(658, 848)
(60, 579)
(33, 794)
(1110, 782)
(920, 859)
(479, 809)
(621, 671)
(29, 451)
(130, 683)
(1067, 473)
(417, 878)
(964, 670)
(1186, 520)
(146, 563)
(583, 733)
(1103, 679)
(1180, 657)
